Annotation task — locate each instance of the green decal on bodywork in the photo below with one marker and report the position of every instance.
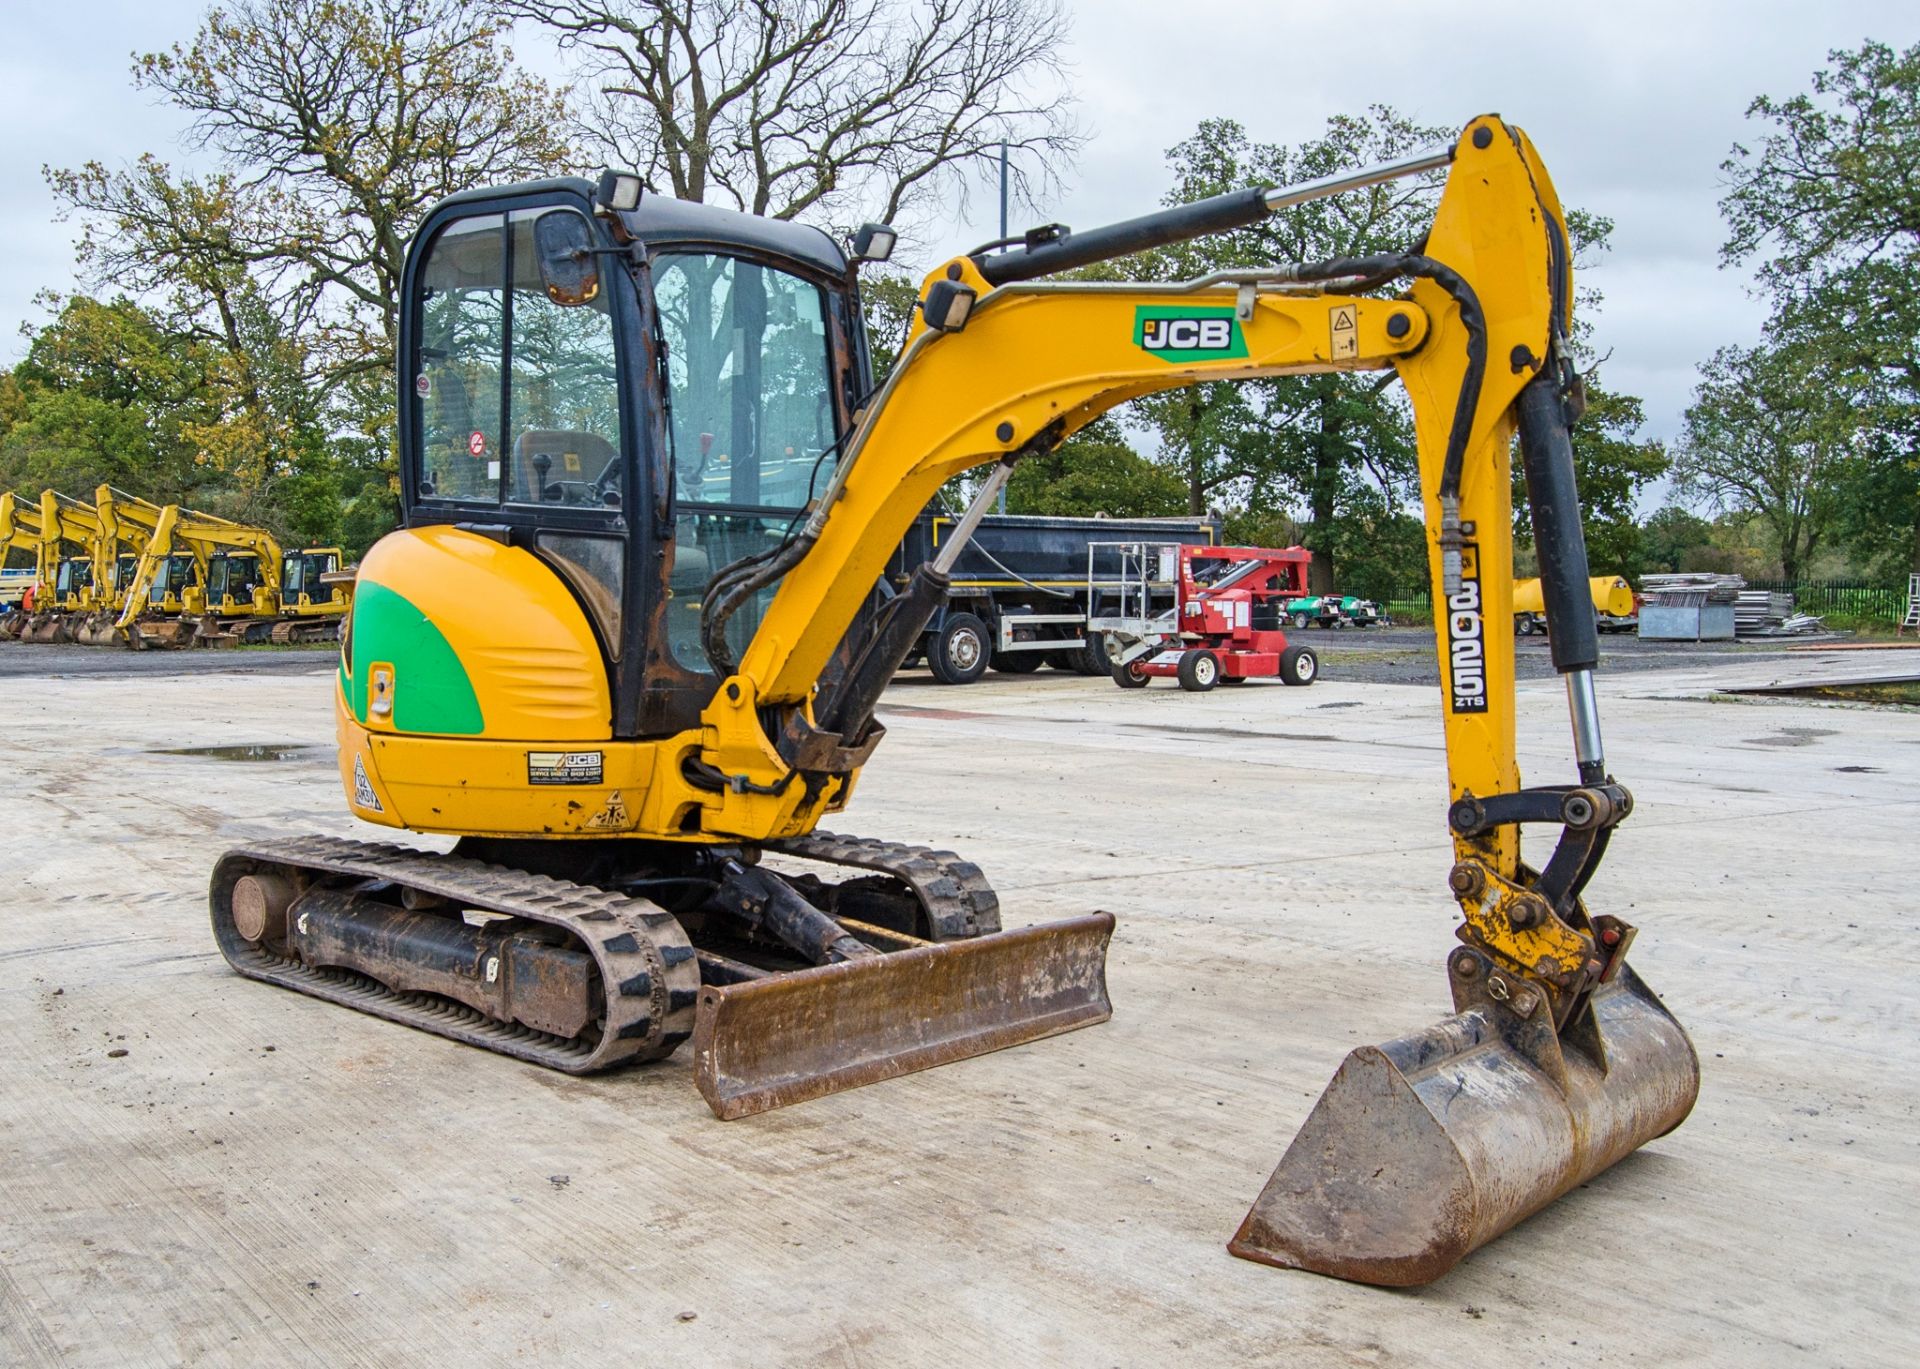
(1178, 333)
(431, 691)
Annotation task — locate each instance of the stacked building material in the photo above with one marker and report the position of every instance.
(1692, 587)
(1694, 606)
(1757, 612)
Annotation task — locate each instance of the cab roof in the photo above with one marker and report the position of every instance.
(662, 220)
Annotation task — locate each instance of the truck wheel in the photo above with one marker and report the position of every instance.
(1299, 666)
(959, 653)
(1129, 676)
(1018, 662)
(1091, 659)
(1523, 624)
(1302, 621)
(1199, 671)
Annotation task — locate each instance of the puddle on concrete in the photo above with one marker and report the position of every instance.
(1793, 736)
(250, 751)
(1859, 770)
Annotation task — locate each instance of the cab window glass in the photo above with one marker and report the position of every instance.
(462, 337)
(563, 409)
(749, 380)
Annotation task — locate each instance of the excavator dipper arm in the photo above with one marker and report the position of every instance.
(1558, 1061)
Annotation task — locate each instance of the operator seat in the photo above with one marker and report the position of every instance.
(572, 456)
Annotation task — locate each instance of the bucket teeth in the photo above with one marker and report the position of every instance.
(1423, 1149)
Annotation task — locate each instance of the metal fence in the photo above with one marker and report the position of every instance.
(1856, 599)
(1842, 598)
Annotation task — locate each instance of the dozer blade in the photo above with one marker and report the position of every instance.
(1423, 1149)
(791, 1037)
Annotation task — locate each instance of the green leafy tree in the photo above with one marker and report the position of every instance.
(1096, 472)
(889, 299)
(1323, 442)
(1769, 434)
(333, 125)
(1827, 203)
(1673, 539)
(330, 128)
(106, 394)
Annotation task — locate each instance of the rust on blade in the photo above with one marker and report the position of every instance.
(792, 1037)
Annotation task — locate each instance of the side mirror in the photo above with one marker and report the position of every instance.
(874, 242)
(563, 242)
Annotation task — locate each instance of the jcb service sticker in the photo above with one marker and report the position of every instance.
(565, 767)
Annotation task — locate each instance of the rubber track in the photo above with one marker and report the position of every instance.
(959, 902)
(645, 962)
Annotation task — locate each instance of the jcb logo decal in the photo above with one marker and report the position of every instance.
(1187, 334)
(1175, 334)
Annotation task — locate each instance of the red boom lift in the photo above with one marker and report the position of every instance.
(1225, 623)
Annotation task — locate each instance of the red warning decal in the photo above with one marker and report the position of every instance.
(477, 444)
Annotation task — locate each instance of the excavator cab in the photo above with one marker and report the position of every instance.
(665, 412)
(232, 580)
(305, 590)
(73, 582)
(176, 576)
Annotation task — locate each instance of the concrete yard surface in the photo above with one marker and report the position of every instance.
(265, 1179)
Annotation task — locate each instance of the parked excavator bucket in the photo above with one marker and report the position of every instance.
(787, 1038)
(1423, 1149)
(96, 629)
(47, 627)
(169, 634)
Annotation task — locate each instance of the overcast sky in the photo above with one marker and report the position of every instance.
(1632, 105)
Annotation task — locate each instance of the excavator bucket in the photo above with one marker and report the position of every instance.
(790, 1037)
(1423, 1149)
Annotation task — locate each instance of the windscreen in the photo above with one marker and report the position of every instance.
(750, 390)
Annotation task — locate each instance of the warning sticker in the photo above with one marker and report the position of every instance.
(564, 767)
(477, 443)
(1343, 325)
(363, 795)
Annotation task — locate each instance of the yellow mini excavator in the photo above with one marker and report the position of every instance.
(203, 579)
(76, 588)
(126, 524)
(629, 645)
(21, 530)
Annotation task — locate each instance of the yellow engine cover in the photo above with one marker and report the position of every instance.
(473, 697)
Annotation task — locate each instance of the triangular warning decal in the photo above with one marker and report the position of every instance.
(363, 795)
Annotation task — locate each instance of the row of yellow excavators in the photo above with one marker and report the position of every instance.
(125, 571)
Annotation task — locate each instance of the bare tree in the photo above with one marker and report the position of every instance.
(838, 109)
(332, 125)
